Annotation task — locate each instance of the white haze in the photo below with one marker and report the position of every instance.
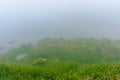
(31, 20)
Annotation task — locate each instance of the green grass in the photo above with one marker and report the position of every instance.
(66, 71)
(85, 51)
(61, 59)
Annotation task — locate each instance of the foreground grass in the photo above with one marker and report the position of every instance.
(59, 72)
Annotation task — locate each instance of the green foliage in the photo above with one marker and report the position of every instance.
(40, 61)
(64, 71)
(63, 59)
(80, 50)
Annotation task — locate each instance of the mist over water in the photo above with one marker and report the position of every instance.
(32, 20)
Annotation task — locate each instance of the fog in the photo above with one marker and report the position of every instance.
(32, 20)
